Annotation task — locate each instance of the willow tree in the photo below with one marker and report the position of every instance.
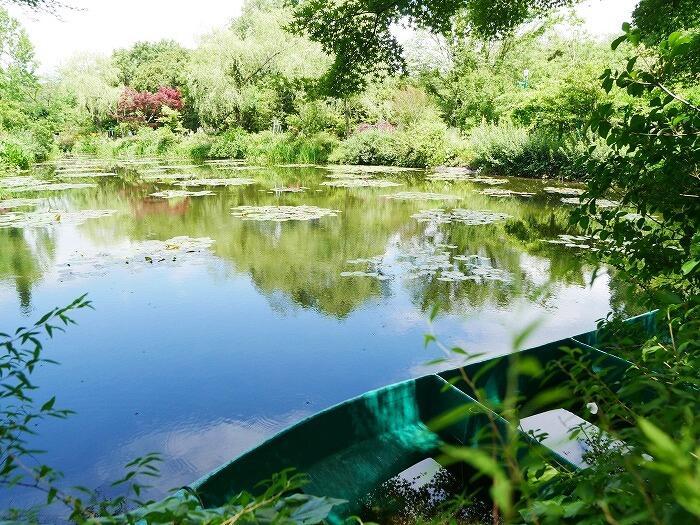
(237, 76)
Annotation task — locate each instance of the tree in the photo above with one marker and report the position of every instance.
(25, 133)
(654, 167)
(243, 76)
(89, 84)
(145, 108)
(358, 32)
(148, 66)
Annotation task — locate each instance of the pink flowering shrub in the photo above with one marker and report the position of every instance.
(143, 107)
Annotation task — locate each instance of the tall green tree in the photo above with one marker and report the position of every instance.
(243, 76)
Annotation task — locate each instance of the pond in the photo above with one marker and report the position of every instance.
(231, 301)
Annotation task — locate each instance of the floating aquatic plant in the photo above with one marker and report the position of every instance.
(176, 194)
(282, 213)
(600, 203)
(375, 275)
(453, 170)
(348, 176)
(417, 195)
(52, 186)
(499, 192)
(479, 268)
(20, 181)
(18, 203)
(573, 241)
(87, 175)
(288, 189)
(168, 176)
(215, 182)
(38, 219)
(562, 190)
(450, 177)
(137, 255)
(368, 260)
(488, 180)
(349, 168)
(360, 183)
(469, 217)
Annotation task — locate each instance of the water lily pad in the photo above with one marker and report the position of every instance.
(360, 183)
(368, 260)
(375, 275)
(49, 186)
(417, 195)
(20, 181)
(600, 203)
(282, 213)
(167, 176)
(451, 177)
(176, 194)
(348, 176)
(492, 181)
(19, 203)
(288, 189)
(469, 217)
(38, 219)
(563, 191)
(137, 256)
(87, 175)
(350, 168)
(499, 192)
(573, 241)
(215, 182)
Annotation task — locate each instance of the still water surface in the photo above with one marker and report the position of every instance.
(201, 355)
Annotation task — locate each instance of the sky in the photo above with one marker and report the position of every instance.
(100, 26)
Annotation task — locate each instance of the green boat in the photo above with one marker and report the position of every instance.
(351, 449)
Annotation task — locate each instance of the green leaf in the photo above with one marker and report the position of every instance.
(434, 312)
(48, 405)
(616, 43)
(315, 510)
(689, 266)
(661, 443)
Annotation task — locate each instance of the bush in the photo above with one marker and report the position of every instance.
(94, 144)
(20, 149)
(423, 145)
(314, 117)
(147, 142)
(368, 147)
(196, 146)
(272, 148)
(511, 150)
(231, 144)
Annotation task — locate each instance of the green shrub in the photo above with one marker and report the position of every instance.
(194, 145)
(314, 117)
(273, 148)
(231, 144)
(147, 142)
(422, 145)
(369, 147)
(20, 149)
(511, 150)
(94, 144)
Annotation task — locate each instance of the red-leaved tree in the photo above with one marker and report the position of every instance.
(143, 107)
